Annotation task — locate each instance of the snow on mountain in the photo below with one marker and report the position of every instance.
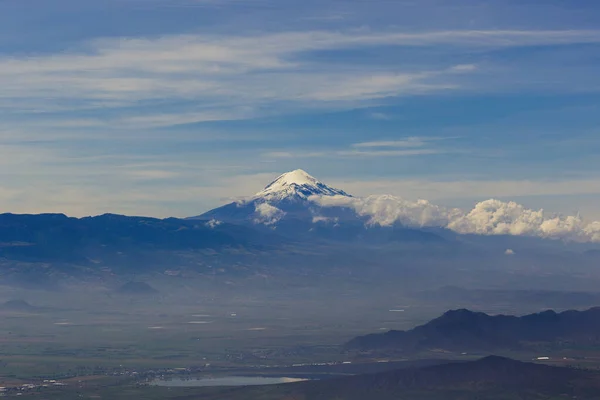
(298, 197)
(284, 199)
(297, 185)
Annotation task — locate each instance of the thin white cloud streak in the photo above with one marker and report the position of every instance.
(141, 120)
(415, 141)
(391, 143)
(374, 86)
(411, 146)
(391, 153)
(174, 118)
(352, 153)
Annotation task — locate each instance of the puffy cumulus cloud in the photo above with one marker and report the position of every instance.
(495, 217)
(388, 210)
(593, 231)
(267, 214)
(213, 223)
(490, 217)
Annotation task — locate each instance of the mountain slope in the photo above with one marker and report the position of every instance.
(108, 238)
(463, 330)
(286, 198)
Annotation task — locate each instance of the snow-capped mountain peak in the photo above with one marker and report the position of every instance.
(297, 184)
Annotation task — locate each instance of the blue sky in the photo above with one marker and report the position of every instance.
(164, 108)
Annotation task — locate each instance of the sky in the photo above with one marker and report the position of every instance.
(172, 107)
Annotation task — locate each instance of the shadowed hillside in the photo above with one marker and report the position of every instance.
(109, 237)
(462, 330)
(489, 378)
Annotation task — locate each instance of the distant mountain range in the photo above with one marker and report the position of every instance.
(464, 330)
(49, 237)
(488, 378)
(294, 222)
(37, 251)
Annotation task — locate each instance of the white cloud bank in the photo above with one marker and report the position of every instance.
(490, 217)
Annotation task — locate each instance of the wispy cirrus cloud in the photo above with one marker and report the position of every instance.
(226, 72)
(391, 153)
(414, 141)
(410, 146)
(380, 116)
(352, 153)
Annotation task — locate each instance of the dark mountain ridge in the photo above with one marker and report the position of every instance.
(463, 330)
(47, 250)
(491, 370)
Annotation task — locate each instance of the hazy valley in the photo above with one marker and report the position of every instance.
(115, 300)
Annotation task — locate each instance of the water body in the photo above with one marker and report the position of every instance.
(225, 381)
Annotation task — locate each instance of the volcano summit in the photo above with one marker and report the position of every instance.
(289, 197)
